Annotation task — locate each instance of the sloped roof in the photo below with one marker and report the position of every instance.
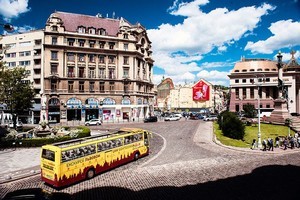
(72, 21)
(255, 64)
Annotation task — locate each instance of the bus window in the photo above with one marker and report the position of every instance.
(49, 155)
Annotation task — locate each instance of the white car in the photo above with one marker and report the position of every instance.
(211, 118)
(93, 122)
(172, 118)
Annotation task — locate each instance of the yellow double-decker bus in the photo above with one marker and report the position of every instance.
(64, 163)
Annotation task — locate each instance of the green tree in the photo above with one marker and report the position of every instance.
(231, 125)
(15, 91)
(249, 110)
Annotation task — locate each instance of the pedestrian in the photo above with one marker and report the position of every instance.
(285, 143)
(271, 147)
(298, 142)
(264, 143)
(253, 144)
(277, 142)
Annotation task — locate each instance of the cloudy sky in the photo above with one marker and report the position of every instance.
(191, 39)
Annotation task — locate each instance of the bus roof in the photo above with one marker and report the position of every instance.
(122, 131)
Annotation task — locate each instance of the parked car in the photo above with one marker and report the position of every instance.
(172, 118)
(93, 122)
(151, 119)
(210, 118)
(36, 194)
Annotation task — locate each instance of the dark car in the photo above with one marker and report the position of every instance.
(150, 119)
(36, 194)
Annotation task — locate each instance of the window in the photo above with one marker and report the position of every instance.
(267, 79)
(81, 29)
(244, 70)
(101, 45)
(102, 31)
(260, 69)
(101, 86)
(92, 31)
(237, 93)
(125, 47)
(70, 86)
(101, 72)
(24, 63)
(81, 43)
(92, 58)
(268, 106)
(92, 43)
(236, 80)
(111, 73)
(81, 58)
(81, 86)
(111, 59)
(125, 36)
(244, 93)
(267, 92)
(11, 64)
(71, 41)
(92, 87)
(111, 86)
(71, 72)
(259, 91)
(81, 73)
(92, 73)
(53, 85)
(9, 46)
(111, 45)
(25, 44)
(54, 40)
(126, 60)
(54, 68)
(236, 70)
(125, 72)
(71, 57)
(10, 55)
(126, 88)
(24, 53)
(101, 59)
(54, 55)
(244, 80)
(252, 93)
(54, 28)
(237, 107)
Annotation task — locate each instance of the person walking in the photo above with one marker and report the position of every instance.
(277, 142)
(285, 143)
(264, 143)
(253, 144)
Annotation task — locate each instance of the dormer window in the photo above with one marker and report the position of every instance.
(92, 31)
(125, 36)
(102, 31)
(259, 70)
(54, 28)
(81, 29)
(236, 70)
(244, 70)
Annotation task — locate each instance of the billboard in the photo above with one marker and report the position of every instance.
(201, 91)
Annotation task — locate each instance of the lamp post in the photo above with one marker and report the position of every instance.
(7, 27)
(259, 144)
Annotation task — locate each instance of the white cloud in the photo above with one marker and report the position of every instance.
(286, 33)
(19, 29)
(287, 56)
(199, 34)
(13, 8)
(214, 76)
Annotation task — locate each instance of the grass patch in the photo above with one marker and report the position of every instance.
(267, 130)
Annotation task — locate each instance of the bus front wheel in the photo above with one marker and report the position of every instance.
(90, 174)
(136, 156)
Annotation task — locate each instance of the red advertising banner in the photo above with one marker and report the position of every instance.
(201, 91)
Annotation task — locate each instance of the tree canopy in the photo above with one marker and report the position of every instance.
(15, 91)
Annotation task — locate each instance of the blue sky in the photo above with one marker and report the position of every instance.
(191, 39)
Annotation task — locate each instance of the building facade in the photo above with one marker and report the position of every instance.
(255, 81)
(26, 50)
(92, 67)
(96, 67)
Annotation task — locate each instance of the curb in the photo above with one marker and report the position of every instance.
(16, 175)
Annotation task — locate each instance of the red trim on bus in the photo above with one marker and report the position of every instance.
(82, 175)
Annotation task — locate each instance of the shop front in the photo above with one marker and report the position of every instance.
(91, 109)
(74, 109)
(54, 110)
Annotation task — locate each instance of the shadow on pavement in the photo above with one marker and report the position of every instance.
(268, 182)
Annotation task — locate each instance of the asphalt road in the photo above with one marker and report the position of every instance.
(184, 163)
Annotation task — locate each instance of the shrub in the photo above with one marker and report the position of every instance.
(231, 125)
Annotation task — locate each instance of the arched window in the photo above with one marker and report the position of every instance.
(125, 101)
(53, 102)
(140, 101)
(109, 101)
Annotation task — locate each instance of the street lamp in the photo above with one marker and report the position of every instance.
(7, 27)
(262, 78)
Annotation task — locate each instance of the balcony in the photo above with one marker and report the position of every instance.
(37, 66)
(37, 56)
(36, 76)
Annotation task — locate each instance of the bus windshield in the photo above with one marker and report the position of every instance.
(49, 155)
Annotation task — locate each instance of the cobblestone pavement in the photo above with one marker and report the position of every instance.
(186, 164)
